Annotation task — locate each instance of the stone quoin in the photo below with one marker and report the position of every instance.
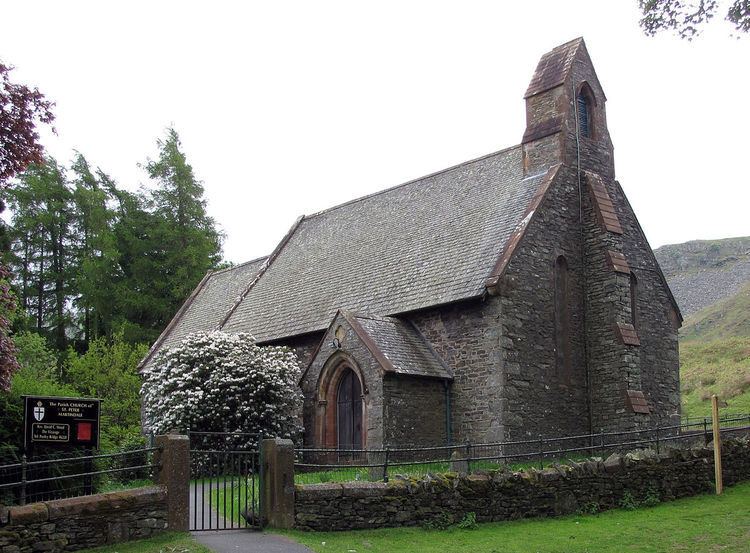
(511, 296)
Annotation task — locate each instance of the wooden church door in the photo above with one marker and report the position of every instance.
(349, 411)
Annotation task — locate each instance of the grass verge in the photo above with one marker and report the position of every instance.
(698, 524)
(719, 367)
(173, 542)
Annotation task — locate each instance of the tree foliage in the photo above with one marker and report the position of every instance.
(8, 362)
(108, 371)
(686, 18)
(187, 235)
(92, 259)
(219, 382)
(22, 109)
(37, 375)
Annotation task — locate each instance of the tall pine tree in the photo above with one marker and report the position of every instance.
(44, 248)
(95, 251)
(185, 234)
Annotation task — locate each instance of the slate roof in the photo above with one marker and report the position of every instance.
(403, 347)
(208, 304)
(427, 242)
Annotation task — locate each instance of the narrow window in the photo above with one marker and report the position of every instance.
(634, 301)
(584, 115)
(562, 319)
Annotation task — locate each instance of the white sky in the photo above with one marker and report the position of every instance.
(287, 108)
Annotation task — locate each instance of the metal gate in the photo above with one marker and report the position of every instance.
(224, 481)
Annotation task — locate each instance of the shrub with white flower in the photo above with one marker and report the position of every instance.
(219, 382)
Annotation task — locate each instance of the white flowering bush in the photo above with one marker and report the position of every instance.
(219, 382)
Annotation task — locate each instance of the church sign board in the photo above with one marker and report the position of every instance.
(61, 421)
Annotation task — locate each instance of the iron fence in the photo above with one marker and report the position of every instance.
(315, 465)
(56, 476)
(224, 480)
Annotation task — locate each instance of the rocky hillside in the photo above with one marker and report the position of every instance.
(711, 282)
(703, 272)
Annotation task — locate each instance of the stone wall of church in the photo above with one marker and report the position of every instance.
(614, 365)
(413, 411)
(468, 336)
(656, 317)
(543, 397)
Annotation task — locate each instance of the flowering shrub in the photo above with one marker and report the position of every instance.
(219, 382)
(8, 361)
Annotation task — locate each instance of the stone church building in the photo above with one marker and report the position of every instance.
(511, 296)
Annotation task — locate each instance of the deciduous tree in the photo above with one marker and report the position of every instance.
(686, 18)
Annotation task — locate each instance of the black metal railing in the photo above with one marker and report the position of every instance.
(224, 480)
(316, 465)
(56, 476)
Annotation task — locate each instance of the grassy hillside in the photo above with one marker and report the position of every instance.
(711, 281)
(719, 367)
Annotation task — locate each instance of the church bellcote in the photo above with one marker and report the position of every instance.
(565, 114)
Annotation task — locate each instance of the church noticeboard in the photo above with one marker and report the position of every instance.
(61, 421)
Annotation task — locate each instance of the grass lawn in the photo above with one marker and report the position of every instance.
(719, 367)
(174, 542)
(699, 524)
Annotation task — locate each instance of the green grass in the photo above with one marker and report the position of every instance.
(114, 486)
(230, 500)
(165, 543)
(699, 524)
(719, 367)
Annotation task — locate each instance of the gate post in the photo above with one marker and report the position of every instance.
(277, 477)
(173, 460)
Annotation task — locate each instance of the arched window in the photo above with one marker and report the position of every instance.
(583, 111)
(634, 301)
(562, 319)
(349, 411)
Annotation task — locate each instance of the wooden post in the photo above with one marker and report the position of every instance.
(717, 444)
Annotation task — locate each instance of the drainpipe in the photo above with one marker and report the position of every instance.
(448, 430)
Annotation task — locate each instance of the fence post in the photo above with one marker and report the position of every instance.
(173, 472)
(717, 445)
(468, 458)
(705, 430)
(657, 437)
(541, 457)
(385, 466)
(23, 479)
(277, 475)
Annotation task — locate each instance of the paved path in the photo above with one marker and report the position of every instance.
(247, 541)
(234, 541)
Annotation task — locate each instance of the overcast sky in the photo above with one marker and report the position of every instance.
(286, 108)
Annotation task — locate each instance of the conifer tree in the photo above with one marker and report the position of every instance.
(95, 249)
(186, 235)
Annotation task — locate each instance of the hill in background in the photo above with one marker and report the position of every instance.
(711, 281)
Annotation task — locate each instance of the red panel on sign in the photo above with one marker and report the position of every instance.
(83, 431)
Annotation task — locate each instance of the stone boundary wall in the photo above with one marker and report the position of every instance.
(505, 495)
(83, 522)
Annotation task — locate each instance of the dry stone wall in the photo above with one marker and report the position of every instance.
(84, 522)
(504, 495)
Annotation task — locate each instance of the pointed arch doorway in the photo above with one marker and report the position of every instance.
(341, 419)
(349, 411)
